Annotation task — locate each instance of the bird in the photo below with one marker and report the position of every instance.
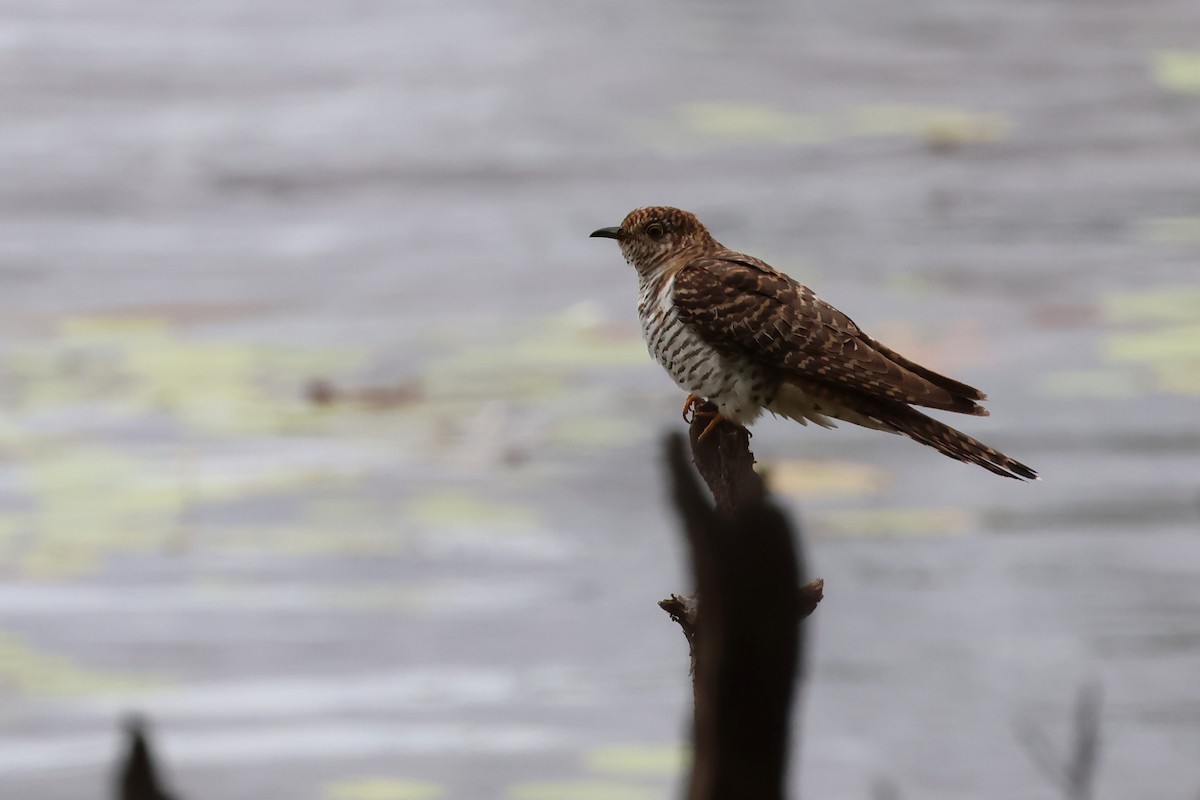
(735, 332)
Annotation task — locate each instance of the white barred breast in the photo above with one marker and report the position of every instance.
(739, 388)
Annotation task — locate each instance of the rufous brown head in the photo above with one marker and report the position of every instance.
(648, 236)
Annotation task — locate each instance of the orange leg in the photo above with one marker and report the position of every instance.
(717, 419)
(691, 411)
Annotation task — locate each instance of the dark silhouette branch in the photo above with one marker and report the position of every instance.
(725, 462)
(137, 777)
(743, 626)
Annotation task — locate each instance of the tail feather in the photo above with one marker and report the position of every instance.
(964, 394)
(804, 399)
(957, 445)
(937, 379)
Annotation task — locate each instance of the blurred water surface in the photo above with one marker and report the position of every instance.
(327, 439)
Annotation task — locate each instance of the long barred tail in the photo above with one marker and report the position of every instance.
(956, 444)
(804, 399)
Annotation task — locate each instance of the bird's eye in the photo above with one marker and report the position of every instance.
(655, 231)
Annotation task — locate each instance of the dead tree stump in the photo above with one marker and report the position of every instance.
(743, 622)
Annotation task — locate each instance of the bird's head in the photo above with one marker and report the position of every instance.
(649, 236)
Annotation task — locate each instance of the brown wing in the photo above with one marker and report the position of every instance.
(741, 304)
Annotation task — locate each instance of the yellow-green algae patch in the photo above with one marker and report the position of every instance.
(748, 123)
(1168, 304)
(139, 365)
(938, 125)
(1169, 342)
(735, 124)
(91, 501)
(431, 596)
(384, 789)
(34, 672)
(11, 528)
(657, 760)
(1172, 230)
(581, 790)
(1163, 348)
(897, 522)
(1181, 377)
(88, 502)
(534, 359)
(597, 431)
(814, 479)
(1177, 70)
(1094, 383)
(304, 540)
(458, 509)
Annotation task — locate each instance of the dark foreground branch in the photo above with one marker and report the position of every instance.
(683, 611)
(726, 464)
(137, 776)
(744, 631)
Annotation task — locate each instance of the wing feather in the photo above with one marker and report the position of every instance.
(740, 304)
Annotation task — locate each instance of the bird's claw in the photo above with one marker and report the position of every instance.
(693, 408)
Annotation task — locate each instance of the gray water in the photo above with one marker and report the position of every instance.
(443, 582)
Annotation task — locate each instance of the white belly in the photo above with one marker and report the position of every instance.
(737, 386)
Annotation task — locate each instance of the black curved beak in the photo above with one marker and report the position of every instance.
(606, 233)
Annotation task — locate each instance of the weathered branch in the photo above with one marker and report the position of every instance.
(725, 462)
(137, 777)
(744, 628)
(682, 609)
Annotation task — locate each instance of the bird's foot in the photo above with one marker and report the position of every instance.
(695, 408)
(717, 419)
